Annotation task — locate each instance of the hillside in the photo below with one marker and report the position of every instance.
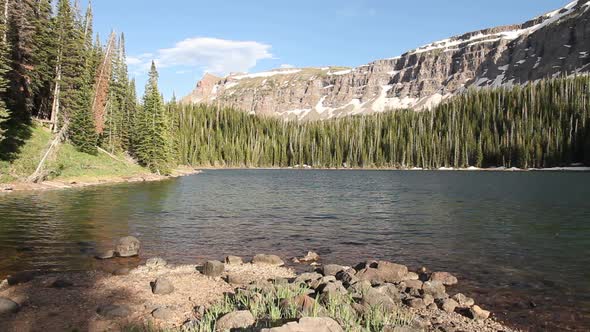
(554, 44)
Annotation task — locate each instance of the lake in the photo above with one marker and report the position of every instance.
(518, 241)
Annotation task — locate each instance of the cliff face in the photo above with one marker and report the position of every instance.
(557, 43)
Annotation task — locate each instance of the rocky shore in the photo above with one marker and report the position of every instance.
(87, 182)
(261, 294)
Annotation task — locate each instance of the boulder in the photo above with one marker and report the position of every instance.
(20, 278)
(445, 278)
(359, 289)
(235, 320)
(128, 246)
(308, 277)
(162, 286)
(416, 284)
(374, 298)
(428, 299)
(7, 306)
(432, 306)
(391, 272)
(371, 275)
(237, 279)
(390, 290)
(163, 313)
(332, 288)
(347, 277)
(434, 288)
(332, 269)
(268, 260)
(412, 276)
(463, 301)
(106, 255)
(478, 313)
(233, 260)
(213, 269)
(310, 257)
(449, 305)
(113, 311)
(416, 303)
(309, 324)
(155, 262)
(302, 303)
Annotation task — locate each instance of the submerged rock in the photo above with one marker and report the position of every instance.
(235, 320)
(156, 262)
(162, 286)
(20, 278)
(113, 311)
(268, 260)
(106, 255)
(128, 246)
(8, 306)
(61, 283)
(122, 271)
(310, 257)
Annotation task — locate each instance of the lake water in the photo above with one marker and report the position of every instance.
(519, 242)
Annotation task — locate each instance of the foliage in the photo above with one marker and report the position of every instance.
(539, 125)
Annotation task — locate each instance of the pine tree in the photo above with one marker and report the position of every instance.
(154, 145)
(4, 67)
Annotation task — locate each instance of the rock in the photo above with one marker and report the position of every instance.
(235, 320)
(416, 303)
(61, 283)
(7, 306)
(233, 260)
(416, 284)
(347, 277)
(237, 279)
(432, 306)
(374, 298)
(391, 291)
(331, 288)
(449, 305)
(428, 299)
(463, 301)
(128, 246)
(155, 262)
(309, 324)
(478, 313)
(445, 278)
(213, 268)
(163, 313)
(310, 257)
(391, 272)
(113, 311)
(412, 276)
(20, 278)
(307, 277)
(122, 271)
(359, 289)
(303, 303)
(332, 269)
(434, 288)
(268, 260)
(162, 286)
(106, 255)
(371, 275)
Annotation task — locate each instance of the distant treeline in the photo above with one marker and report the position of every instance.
(539, 125)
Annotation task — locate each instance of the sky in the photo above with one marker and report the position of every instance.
(187, 38)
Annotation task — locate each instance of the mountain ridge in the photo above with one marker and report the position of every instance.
(556, 43)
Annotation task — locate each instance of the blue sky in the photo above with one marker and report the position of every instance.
(189, 37)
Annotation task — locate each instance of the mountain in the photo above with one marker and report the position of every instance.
(557, 43)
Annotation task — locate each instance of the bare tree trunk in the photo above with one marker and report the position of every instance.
(55, 106)
(4, 37)
(37, 175)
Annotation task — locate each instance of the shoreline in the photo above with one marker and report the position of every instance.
(157, 296)
(75, 183)
(573, 169)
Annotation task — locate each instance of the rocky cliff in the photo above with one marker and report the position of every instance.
(557, 43)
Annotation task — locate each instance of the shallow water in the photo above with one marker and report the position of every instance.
(519, 242)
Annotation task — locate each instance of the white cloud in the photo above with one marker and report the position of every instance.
(287, 66)
(218, 56)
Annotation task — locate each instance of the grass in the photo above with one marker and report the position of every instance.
(68, 164)
(270, 307)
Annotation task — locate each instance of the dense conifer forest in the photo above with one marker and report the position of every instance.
(543, 124)
(55, 72)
